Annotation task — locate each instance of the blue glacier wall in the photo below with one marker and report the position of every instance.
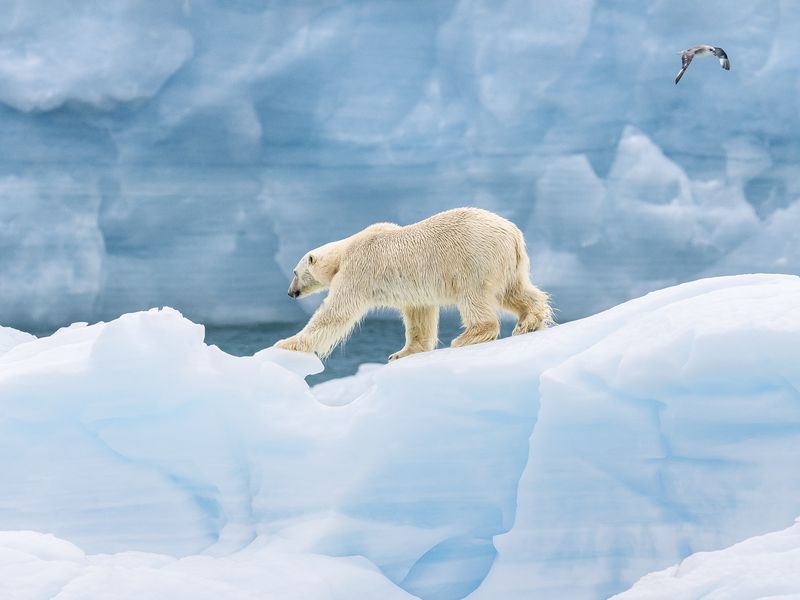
(187, 153)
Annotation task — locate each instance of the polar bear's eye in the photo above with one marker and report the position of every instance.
(311, 259)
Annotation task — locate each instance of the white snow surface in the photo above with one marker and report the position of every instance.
(189, 153)
(36, 565)
(566, 463)
(765, 567)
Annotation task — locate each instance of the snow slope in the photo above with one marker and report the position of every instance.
(562, 464)
(35, 565)
(762, 567)
(188, 153)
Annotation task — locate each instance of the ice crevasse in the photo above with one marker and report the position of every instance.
(566, 463)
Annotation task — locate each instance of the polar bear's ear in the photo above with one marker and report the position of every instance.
(311, 259)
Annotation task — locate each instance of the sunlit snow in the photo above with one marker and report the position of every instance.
(765, 566)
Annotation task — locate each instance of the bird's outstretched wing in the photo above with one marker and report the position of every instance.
(723, 58)
(686, 59)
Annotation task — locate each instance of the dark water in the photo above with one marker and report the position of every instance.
(372, 341)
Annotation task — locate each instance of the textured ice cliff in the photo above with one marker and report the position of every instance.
(187, 153)
(566, 463)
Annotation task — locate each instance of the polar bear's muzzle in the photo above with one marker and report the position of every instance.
(302, 285)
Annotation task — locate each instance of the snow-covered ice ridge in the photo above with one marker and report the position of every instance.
(566, 463)
(188, 153)
(765, 567)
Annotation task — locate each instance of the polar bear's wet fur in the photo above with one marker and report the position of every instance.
(467, 257)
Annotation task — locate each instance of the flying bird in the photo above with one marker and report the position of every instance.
(702, 50)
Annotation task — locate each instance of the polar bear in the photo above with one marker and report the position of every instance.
(467, 257)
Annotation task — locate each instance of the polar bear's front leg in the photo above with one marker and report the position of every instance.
(330, 324)
(422, 327)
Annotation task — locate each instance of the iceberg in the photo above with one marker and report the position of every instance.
(566, 463)
(188, 153)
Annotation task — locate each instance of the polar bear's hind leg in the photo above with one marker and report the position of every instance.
(479, 317)
(530, 305)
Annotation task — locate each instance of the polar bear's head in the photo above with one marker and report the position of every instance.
(315, 271)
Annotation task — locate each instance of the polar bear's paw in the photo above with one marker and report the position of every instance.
(291, 343)
(477, 334)
(399, 354)
(409, 350)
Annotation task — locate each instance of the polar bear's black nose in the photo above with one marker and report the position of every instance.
(293, 293)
